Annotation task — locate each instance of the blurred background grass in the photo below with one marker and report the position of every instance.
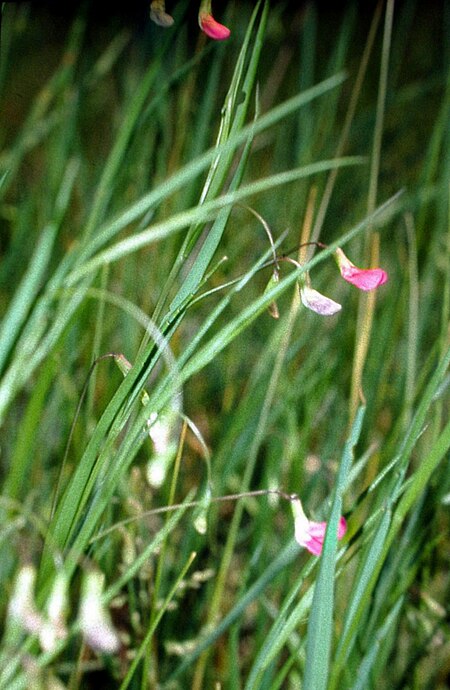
(68, 75)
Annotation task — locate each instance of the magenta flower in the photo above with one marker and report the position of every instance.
(311, 534)
(317, 302)
(208, 24)
(363, 278)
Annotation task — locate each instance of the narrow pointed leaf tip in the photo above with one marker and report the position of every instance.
(208, 24)
(310, 534)
(315, 301)
(363, 278)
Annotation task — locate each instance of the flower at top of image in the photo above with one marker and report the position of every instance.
(363, 278)
(315, 301)
(159, 15)
(209, 25)
(310, 534)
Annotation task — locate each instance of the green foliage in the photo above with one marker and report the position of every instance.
(125, 181)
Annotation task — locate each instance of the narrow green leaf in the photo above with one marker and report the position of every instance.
(320, 624)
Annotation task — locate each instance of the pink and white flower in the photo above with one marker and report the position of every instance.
(363, 278)
(310, 534)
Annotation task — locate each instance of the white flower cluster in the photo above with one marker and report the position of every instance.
(50, 626)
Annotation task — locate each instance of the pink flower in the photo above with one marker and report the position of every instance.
(208, 24)
(311, 534)
(364, 278)
(317, 302)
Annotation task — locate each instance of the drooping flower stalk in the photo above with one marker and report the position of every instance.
(311, 298)
(275, 277)
(209, 25)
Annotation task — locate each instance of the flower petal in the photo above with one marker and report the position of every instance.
(312, 299)
(310, 534)
(211, 28)
(363, 278)
(314, 546)
(342, 527)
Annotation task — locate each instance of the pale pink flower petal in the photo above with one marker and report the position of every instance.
(310, 534)
(363, 278)
(319, 303)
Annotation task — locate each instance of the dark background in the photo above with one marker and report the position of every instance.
(134, 11)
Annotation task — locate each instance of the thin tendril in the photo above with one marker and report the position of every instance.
(195, 504)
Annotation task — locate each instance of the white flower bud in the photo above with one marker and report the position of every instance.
(95, 622)
(21, 606)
